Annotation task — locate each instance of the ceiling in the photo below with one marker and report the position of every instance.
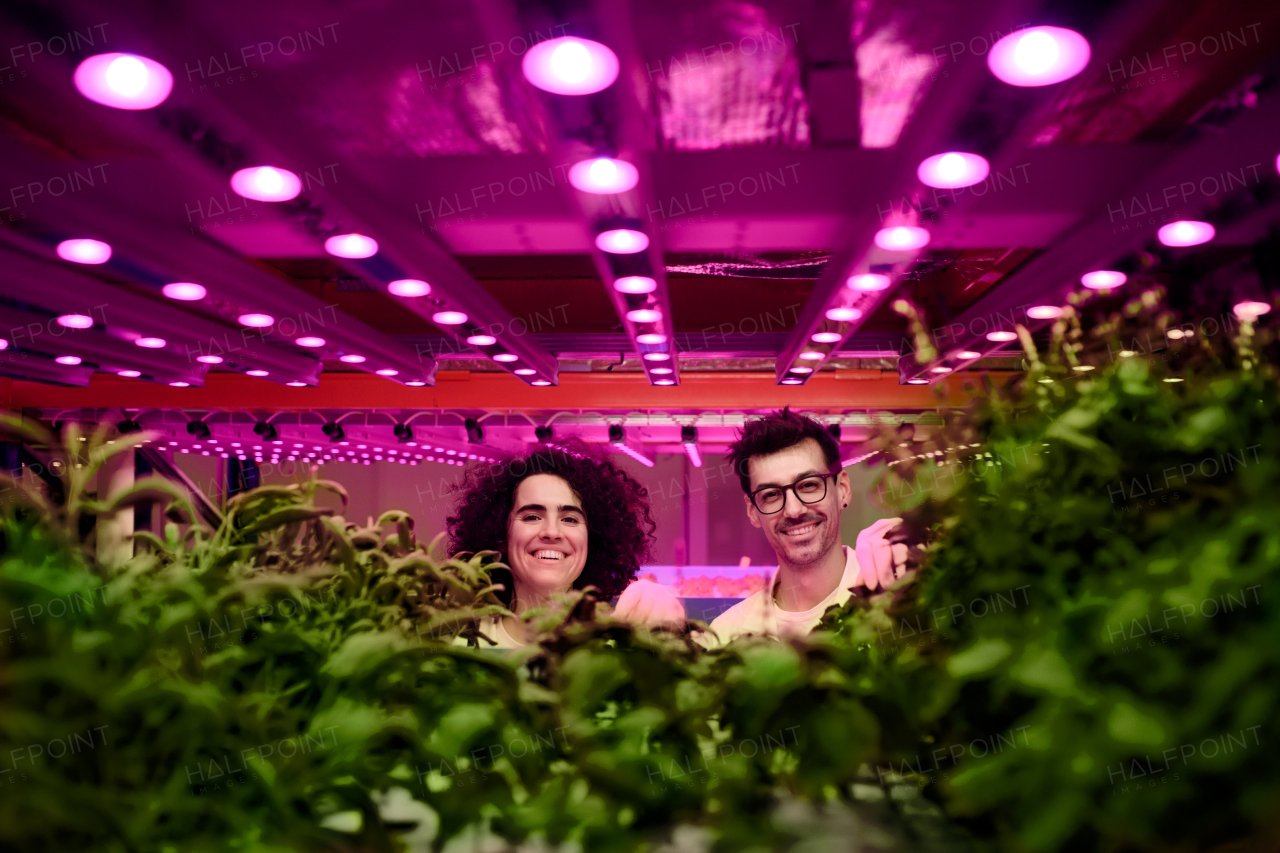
(773, 139)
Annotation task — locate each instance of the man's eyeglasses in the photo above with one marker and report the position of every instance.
(808, 490)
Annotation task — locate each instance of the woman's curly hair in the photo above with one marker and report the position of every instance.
(619, 524)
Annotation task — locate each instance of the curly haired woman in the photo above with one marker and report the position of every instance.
(563, 517)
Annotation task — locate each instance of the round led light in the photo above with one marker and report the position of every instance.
(266, 183)
(622, 241)
(296, 384)
(826, 337)
(644, 315)
(448, 318)
(1103, 279)
(902, 238)
(651, 338)
(68, 359)
(1186, 232)
(387, 371)
(409, 287)
(570, 66)
(1250, 310)
(635, 284)
(524, 371)
(940, 369)
(968, 354)
(1044, 312)
(792, 381)
(868, 281)
(351, 358)
(603, 175)
(664, 382)
(125, 81)
(660, 371)
(1082, 368)
(185, 291)
(181, 384)
(415, 383)
(351, 246)
(800, 369)
(257, 373)
(129, 374)
(506, 357)
(539, 382)
(1039, 56)
(1000, 336)
(256, 321)
(4, 344)
(309, 341)
(482, 340)
(209, 359)
(656, 356)
(75, 321)
(150, 343)
(917, 381)
(953, 170)
(843, 315)
(84, 251)
(813, 355)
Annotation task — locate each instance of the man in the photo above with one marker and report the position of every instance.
(789, 466)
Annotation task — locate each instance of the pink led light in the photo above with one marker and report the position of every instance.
(351, 246)
(968, 354)
(826, 337)
(917, 381)
(843, 315)
(1103, 279)
(902, 238)
(482, 340)
(266, 183)
(185, 291)
(1186, 232)
(150, 343)
(506, 357)
(129, 374)
(800, 369)
(181, 384)
(1039, 56)
(415, 383)
(813, 355)
(68, 359)
(792, 381)
(448, 318)
(125, 81)
(4, 344)
(953, 170)
(651, 338)
(75, 321)
(387, 371)
(622, 241)
(84, 251)
(1044, 312)
(570, 66)
(635, 284)
(664, 382)
(256, 321)
(656, 356)
(409, 287)
(352, 358)
(524, 371)
(603, 175)
(1250, 310)
(1001, 337)
(257, 373)
(644, 315)
(868, 281)
(940, 369)
(309, 341)
(209, 359)
(539, 382)
(660, 371)
(296, 384)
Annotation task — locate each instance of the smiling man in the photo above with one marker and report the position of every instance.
(789, 467)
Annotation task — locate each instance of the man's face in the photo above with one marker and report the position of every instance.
(800, 533)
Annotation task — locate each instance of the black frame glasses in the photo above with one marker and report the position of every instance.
(793, 488)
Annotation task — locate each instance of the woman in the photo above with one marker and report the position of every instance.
(563, 517)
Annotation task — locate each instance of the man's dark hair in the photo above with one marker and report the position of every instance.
(777, 431)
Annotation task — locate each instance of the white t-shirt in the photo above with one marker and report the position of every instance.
(493, 628)
(760, 614)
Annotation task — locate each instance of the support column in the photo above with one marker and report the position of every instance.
(115, 545)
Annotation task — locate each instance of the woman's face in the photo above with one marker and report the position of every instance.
(546, 537)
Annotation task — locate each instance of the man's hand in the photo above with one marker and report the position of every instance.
(880, 563)
(648, 603)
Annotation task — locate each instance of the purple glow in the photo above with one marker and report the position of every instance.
(125, 81)
(506, 357)
(482, 340)
(209, 359)
(1103, 279)
(1001, 337)
(415, 383)
(651, 338)
(409, 287)
(75, 321)
(181, 384)
(656, 356)
(940, 369)
(1250, 310)
(4, 344)
(1039, 56)
(524, 371)
(184, 291)
(84, 251)
(351, 246)
(812, 355)
(868, 281)
(968, 354)
(792, 381)
(603, 176)
(296, 384)
(387, 371)
(917, 381)
(448, 318)
(351, 358)
(622, 241)
(635, 284)
(661, 371)
(644, 315)
(150, 343)
(256, 321)
(953, 170)
(540, 382)
(68, 359)
(310, 341)
(800, 369)
(570, 66)
(844, 315)
(1186, 232)
(266, 183)
(1044, 312)
(257, 373)
(902, 238)
(826, 337)
(131, 374)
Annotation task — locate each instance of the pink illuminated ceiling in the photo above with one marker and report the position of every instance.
(772, 140)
